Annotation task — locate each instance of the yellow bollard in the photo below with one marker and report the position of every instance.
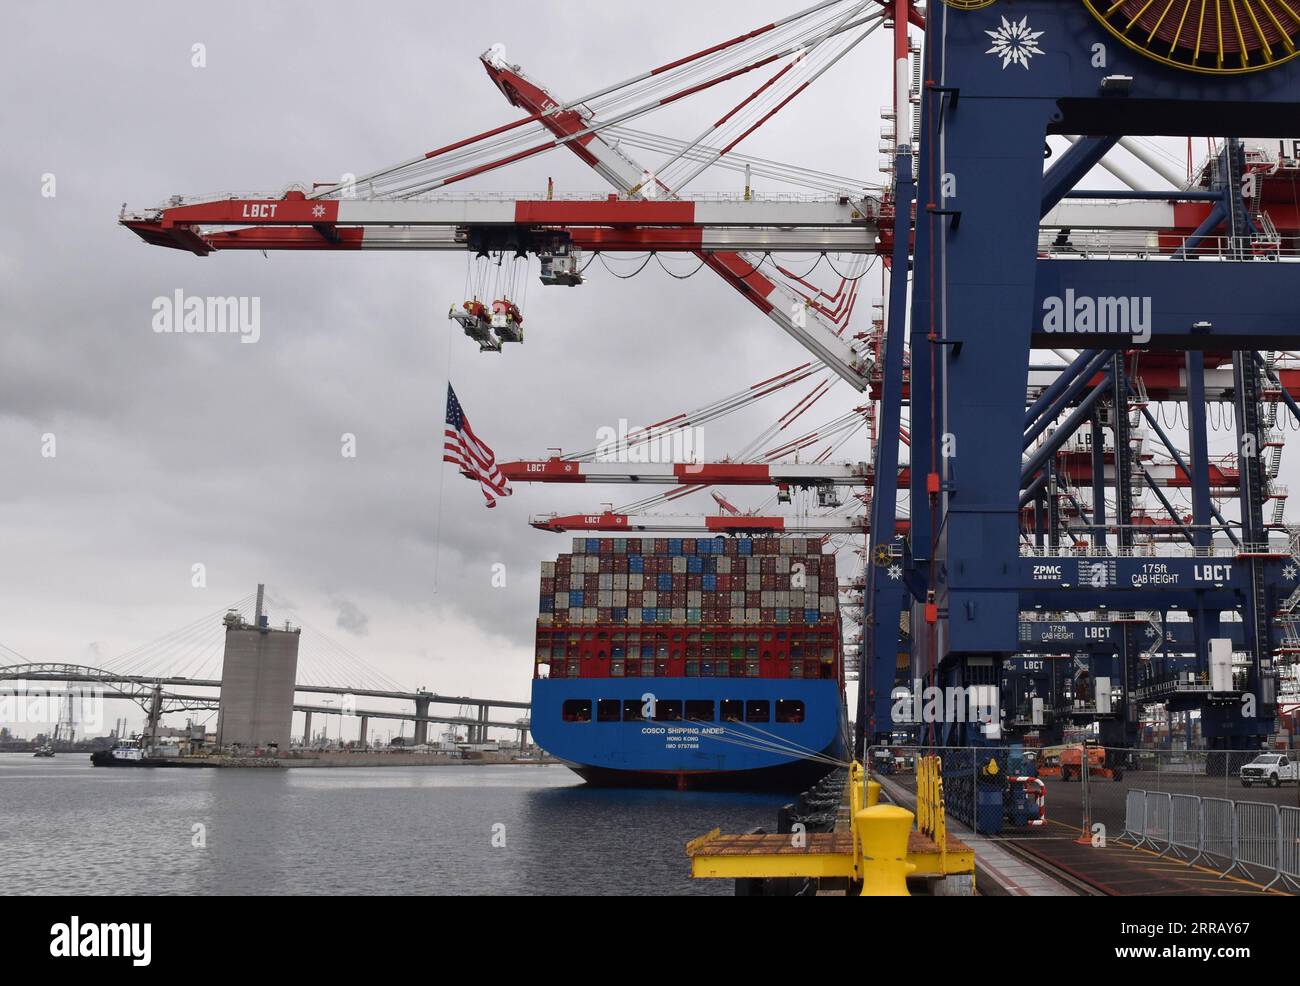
(873, 793)
(881, 832)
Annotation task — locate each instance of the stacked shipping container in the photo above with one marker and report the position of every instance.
(687, 607)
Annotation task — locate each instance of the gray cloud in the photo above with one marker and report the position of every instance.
(351, 619)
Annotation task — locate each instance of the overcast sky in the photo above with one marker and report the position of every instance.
(176, 450)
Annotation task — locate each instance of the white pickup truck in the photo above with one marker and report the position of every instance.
(1271, 769)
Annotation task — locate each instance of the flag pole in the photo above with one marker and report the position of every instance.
(442, 475)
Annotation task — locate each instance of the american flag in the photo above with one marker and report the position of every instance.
(464, 449)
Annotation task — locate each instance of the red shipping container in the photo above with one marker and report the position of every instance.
(606, 546)
(563, 565)
(661, 546)
(767, 614)
(620, 563)
(605, 563)
(678, 598)
(634, 598)
(752, 599)
(604, 615)
(688, 546)
(548, 587)
(724, 583)
(695, 583)
(729, 547)
(767, 565)
(590, 583)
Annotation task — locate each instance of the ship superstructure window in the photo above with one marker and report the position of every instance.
(732, 710)
(699, 710)
(632, 710)
(668, 710)
(576, 710)
(609, 710)
(759, 710)
(789, 710)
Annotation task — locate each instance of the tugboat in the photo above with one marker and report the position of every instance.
(45, 751)
(124, 753)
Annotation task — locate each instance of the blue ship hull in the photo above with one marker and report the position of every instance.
(745, 755)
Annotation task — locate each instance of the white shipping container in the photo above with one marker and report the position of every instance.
(783, 563)
(605, 598)
(620, 581)
(811, 584)
(635, 581)
(796, 598)
(828, 604)
(650, 599)
(548, 569)
(593, 564)
(561, 600)
(579, 546)
(693, 598)
(783, 599)
(679, 564)
(679, 615)
(589, 615)
(765, 598)
(620, 598)
(545, 619)
(634, 615)
(753, 582)
(1220, 664)
(724, 565)
(752, 615)
(605, 580)
(575, 581)
(738, 598)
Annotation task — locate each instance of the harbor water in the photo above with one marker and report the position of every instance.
(69, 828)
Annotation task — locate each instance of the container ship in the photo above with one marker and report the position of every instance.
(691, 663)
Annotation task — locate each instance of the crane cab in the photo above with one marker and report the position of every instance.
(560, 269)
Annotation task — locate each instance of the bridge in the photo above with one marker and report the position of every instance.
(149, 676)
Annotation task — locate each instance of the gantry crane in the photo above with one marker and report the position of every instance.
(1009, 516)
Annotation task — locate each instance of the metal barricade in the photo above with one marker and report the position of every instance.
(1156, 823)
(1255, 844)
(1218, 817)
(1184, 825)
(1135, 808)
(1288, 847)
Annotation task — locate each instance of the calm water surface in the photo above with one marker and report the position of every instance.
(69, 828)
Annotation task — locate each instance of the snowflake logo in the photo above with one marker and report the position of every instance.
(1014, 43)
(895, 572)
(318, 211)
(1289, 572)
(1152, 632)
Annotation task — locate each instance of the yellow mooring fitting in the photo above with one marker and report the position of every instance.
(881, 833)
(873, 793)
